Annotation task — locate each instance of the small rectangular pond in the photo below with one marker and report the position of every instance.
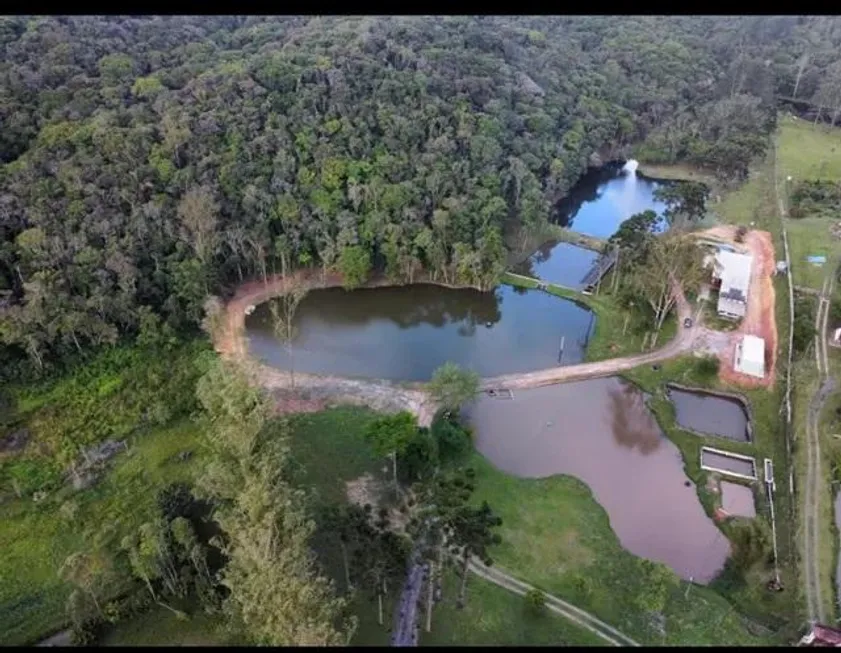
(727, 462)
(710, 414)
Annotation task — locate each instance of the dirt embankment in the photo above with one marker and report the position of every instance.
(760, 319)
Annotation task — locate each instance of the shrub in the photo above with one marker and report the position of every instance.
(535, 601)
(452, 439)
(707, 367)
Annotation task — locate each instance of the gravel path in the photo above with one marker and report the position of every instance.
(578, 616)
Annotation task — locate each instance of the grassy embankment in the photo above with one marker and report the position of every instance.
(555, 535)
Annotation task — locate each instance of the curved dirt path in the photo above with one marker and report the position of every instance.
(578, 616)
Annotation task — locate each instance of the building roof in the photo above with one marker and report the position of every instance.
(734, 271)
(753, 349)
(822, 636)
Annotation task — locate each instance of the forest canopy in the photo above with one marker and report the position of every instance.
(148, 162)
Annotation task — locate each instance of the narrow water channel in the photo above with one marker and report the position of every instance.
(601, 432)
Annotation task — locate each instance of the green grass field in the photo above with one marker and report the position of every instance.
(36, 538)
(160, 627)
(331, 450)
(808, 152)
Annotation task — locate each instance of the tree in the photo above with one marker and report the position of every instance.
(452, 439)
(634, 236)
(274, 588)
(452, 386)
(471, 534)
(673, 258)
(355, 266)
(89, 573)
(234, 411)
(654, 583)
(198, 213)
(283, 309)
(685, 200)
(391, 435)
(535, 601)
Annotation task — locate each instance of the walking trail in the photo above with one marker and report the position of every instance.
(578, 616)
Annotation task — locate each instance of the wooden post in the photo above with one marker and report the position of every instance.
(616, 272)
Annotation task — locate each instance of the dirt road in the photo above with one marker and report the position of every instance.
(760, 319)
(578, 616)
(815, 605)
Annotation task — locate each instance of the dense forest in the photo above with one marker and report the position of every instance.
(150, 162)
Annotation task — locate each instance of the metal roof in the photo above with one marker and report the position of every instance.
(734, 271)
(753, 349)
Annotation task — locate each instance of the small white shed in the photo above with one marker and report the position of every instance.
(750, 356)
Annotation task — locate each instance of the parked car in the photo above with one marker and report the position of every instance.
(687, 322)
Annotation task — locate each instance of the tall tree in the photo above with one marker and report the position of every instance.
(452, 386)
(390, 435)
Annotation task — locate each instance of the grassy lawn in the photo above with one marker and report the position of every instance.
(494, 616)
(610, 338)
(36, 537)
(160, 627)
(331, 450)
(810, 237)
(808, 152)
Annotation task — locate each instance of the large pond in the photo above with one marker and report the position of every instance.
(601, 432)
(405, 332)
(702, 412)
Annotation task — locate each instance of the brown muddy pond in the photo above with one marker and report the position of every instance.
(710, 414)
(405, 332)
(601, 432)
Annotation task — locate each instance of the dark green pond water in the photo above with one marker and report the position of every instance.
(405, 332)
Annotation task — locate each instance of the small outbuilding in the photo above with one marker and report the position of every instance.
(750, 356)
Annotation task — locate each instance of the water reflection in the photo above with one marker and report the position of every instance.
(606, 197)
(632, 424)
(406, 332)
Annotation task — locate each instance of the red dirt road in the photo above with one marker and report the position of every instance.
(760, 319)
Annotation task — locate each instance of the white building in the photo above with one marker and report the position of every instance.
(731, 271)
(750, 356)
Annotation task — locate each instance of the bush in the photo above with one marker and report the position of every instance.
(453, 439)
(804, 323)
(751, 544)
(535, 601)
(707, 367)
